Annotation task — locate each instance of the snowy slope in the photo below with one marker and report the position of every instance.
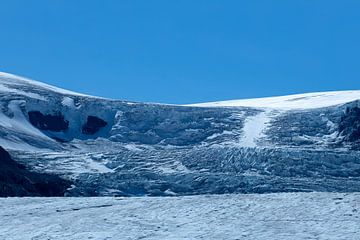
(291, 102)
(109, 147)
(13, 83)
(283, 216)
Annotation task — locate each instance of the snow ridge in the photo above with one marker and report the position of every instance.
(291, 102)
(12, 79)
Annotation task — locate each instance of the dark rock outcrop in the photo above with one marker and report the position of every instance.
(93, 125)
(55, 123)
(16, 180)
(349, 126)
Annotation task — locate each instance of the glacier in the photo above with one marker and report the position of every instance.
(105, 147)
(287, 216)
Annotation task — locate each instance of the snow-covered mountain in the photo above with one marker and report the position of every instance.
(291, 102)
(300, 142)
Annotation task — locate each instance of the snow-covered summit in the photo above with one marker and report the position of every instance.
(291, 102)
(13, 83)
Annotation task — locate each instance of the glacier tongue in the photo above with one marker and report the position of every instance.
(294, 216)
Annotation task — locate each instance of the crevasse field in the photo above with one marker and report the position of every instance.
(275, 168)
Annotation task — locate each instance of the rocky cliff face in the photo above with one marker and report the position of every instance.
(16, 180)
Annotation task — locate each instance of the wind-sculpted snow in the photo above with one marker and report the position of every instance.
(110, 147)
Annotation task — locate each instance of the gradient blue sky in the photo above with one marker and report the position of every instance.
(183, 51)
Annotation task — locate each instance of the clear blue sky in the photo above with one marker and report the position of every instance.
(183, 51)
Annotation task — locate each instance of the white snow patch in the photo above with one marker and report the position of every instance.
(6, 89)
(215, 135)
(68, 102)
(254, 128)
(133, 147)
(95, 166)
(290, 102)
(17, 80)
(20, 123)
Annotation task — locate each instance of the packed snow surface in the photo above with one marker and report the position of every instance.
(296, 101)
(266, 216)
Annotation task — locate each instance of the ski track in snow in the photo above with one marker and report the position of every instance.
(289, 216)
